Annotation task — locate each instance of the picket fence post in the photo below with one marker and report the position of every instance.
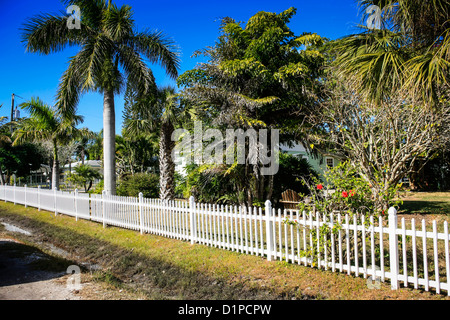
(54, 197)
(192, 219)
(141, 200)
(269, 235)
(14, 193)
(39, 197)
(104, 208)
(75, 194)
(393, 248)
(25, 186)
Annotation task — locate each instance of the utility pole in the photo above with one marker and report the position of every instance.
(12, 112)
(13, 117)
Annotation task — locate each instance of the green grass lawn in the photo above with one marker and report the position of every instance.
(162, 268)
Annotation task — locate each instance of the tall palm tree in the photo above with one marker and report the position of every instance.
(47, 124)
(111, 56)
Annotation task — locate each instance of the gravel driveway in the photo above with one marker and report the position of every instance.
(20, 280)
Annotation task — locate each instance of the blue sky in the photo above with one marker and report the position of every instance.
(191, 24)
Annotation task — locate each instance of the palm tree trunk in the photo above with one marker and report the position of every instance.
(82, 156)
(55, 170)
(2, 178)
(166, 164)
(109, 143)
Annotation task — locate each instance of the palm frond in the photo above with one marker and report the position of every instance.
(82, 74)
(157, 48)
(92, 11)
(117, 22)
(42, 113)
(136, 71)
(47, 33)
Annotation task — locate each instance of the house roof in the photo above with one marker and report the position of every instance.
(92, 163)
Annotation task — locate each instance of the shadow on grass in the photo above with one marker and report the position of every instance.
(424, 207)
(153, 277)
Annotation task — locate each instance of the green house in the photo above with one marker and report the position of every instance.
(320, 163)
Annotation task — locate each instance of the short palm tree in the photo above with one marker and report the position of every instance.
(94, 148)
(84, 176)
(169, 104)
(46, 124)
(111, 55)
(162, 110)
(82, 144)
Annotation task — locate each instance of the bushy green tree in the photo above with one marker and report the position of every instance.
(210, 184)
(84, 176)
(258, 75)
(46, 123)
(291, 175)
(132, 185)
(21, 160)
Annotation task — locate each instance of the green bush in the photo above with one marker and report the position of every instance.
(98, 189)
(84, 176)
(291, 174)
(147, 183)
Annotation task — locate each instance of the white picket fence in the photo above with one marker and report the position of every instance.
(378, 249)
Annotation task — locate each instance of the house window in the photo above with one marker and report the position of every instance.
(329, 162)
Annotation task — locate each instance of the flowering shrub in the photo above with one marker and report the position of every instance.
(344, 192)
(347, 192)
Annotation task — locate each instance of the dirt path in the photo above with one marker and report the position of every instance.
(28, 273)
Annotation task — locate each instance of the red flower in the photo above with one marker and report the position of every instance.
(344, 194)
(319, 187)
(352, 193)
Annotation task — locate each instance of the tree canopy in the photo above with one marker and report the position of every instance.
(258, 75)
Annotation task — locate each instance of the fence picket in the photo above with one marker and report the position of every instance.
(436, 261)
(333, 259)
(347, 239)
(447, 256)
(291, 227)
(405, 263)
(341, 266)
(425, 259)
(355, 229)
(245, 227)
(318, 239)
(372, 247)
(298, 238)
(414, 251)
(286, 237)
(304, 238)
(261, 231)
(381, 232)
(255, 217)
